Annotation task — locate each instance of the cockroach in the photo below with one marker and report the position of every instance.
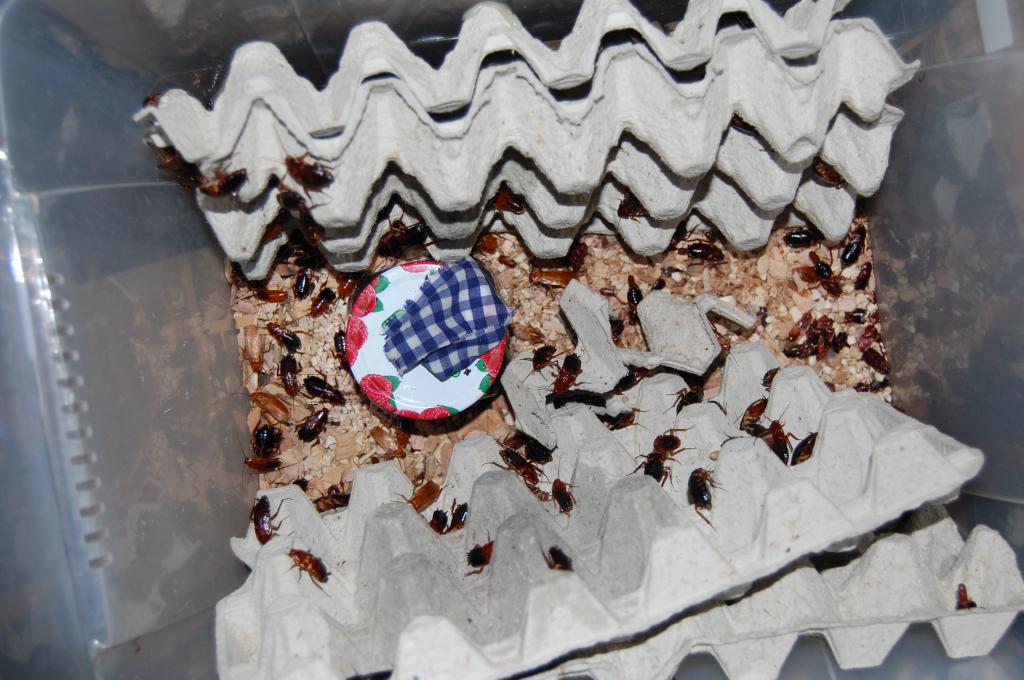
(667, 444)
(801, 237)
(753, 413)
(400, 235)
(507, 201)
(659, 285)
(777, 439)
(617, 327)
(274, 295)
(401, 441)
(821, 335)
(319, 388)
(311, 175)
(567, 374)
(284, 337)
(608, 291)
(839, 342)
(542, 496)
(554, 278)
(536, 452)
(853, 248)
(769, 377)
(270, 404)
(630, 207)
(266, 439)
(705, 251)
(557, 559)
(802, 350)
(439, 521)
(863, 277)
(699, 487)
(479, 557)
(622, 420)
(577, 256)
(424, 496)
(269, 463)
(262, 521)
(562, 496)
(333, 499)
(187, 174)
(876, 360)
(634, 375)
(654, 466)
(542, 357)
(487, 244)
(323, 302)
(868, 337)
(292, 201)
(346, 284)
(800, 327)
(507, 261)
(252, 347)
(288, 370)
(827, 174)
(963, 600)
(309, 563)
(724, 343)
(223, 183)
(687, 397)
(742, 125)
(633, 298)
(459, 514)
(873, 386)
(858, 315)
(303, 284)
(820, 273)
(339, 346)
(311, 428)
(302, 483)
(520, 465)
(804, 449)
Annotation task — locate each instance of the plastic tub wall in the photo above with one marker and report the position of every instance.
(121, 426)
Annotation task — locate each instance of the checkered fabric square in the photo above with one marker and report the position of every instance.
(457, 317)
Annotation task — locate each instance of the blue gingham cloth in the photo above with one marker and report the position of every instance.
(457, 317)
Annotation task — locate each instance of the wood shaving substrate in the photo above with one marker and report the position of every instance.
(358, 433)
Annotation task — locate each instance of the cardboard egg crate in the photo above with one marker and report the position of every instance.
(572, 161)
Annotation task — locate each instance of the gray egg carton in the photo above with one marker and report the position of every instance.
(399, 597)
(861, 608)
(576, 164)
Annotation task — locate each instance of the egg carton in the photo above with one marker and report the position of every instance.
(571, 158)
(861, 608)
(399, 597)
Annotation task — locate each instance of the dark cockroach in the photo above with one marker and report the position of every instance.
(608, 291)
(858, 315)
(868, 337)
(742, 125)
(520, 465)
(284, 337)
(800, 327)
(536, 452)
(303, 284)
(309, 563)
(487, 244)
(777, 439)
(288, 370)
(567, 374)
(853, 248)
(863, 277)
(400, 235)
(507, 261)
(803, 451)
(319, 388)
(266, 439)
(424, 496)
(801, 237)
(507, 201)
(577, 256)
(820, 335)
(323, 302)
(705, 251)
(633, 298)
(252, 347)
(699, 487)
(223, 183)
(963, 600)
(769, 377)
(668, 444)
(802, 350)
(630, 207)
(479, 557)
(659, 284)
(839, 342)
(632, 378)
(617, 327)
(312, 176)
(187, 174)
(688, 396)
(751, 416)
(873, 386)
(562, 496)
(339, 345)
(333, 499)
(542, 357)
(262, 521)
(622, 420)
(459, 514)
(555, 278)
(724, 343)
(557, 559)
(654, 466)
(828, 175)
(310, 428)
(270, 404)
(876, 360)
(439, 521)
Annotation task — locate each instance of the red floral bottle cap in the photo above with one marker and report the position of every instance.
(417, 394)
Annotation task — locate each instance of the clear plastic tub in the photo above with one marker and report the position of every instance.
(121, 416)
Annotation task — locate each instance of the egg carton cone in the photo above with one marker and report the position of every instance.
(260, 76)
(861, 608)
(399, 596)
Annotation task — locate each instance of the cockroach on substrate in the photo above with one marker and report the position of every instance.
(303, 284)
(873, 386)
(876, 360)
(659, 285)
(346, 283)
(803, 451)
(553, 278)
(271, 295)
(853, 248)
(777, 439)
(284, 337)
(577, 256)
(827, 174)
(262, 520)
(751, 416)
(223, 183)
(630, 207)
(319, 388)
(536, 452)
(266, 439)
(542, 357)
(800, 327)
(526, 470)
(634, 296)
(459, 514)
(562, 496)
(858, 315)
(439, 521)
(333, 499)
(698, 488)
(487, 244)
(963, 600)
(801, 237)
(312, 176)
(820, 273)
(557, 560)
(622, 420)
(617, 327)
(839, 342)
(507, 201)
(288, 369)
(507, 261)
(323, 302)
(868, 337)
(309, 563)
(311, 428)
(267, 463)
(252, 347)
(424, 496)
(270, 404)
(567, 374)
(339, 346)
(769, 377)
(654, 466)
(479, 557)
(668, 444)
(704, 251)
(400, 236)
(863, 277)
(687, 397)
(300, 482)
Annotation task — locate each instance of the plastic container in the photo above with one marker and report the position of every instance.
(121, 416)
